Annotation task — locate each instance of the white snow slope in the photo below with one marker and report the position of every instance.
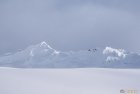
(69, 81)
(43, 56)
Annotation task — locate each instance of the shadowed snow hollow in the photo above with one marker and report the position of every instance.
(44, 56)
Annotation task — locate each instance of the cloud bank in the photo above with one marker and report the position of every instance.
(69, 24)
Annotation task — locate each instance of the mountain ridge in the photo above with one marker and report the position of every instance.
(43, 55)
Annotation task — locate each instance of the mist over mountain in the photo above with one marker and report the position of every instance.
(43, 55)
(97, 23)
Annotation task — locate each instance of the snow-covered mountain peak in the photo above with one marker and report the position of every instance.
(45, 45)
(43, 55)
(114, 54)
(42, 49)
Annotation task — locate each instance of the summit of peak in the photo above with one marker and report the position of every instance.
(44, 44)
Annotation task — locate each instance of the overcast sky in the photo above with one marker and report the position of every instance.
(70, 24)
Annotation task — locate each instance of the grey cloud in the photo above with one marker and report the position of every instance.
(69, 24)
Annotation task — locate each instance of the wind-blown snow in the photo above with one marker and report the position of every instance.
(69, 81)
(44, 56)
